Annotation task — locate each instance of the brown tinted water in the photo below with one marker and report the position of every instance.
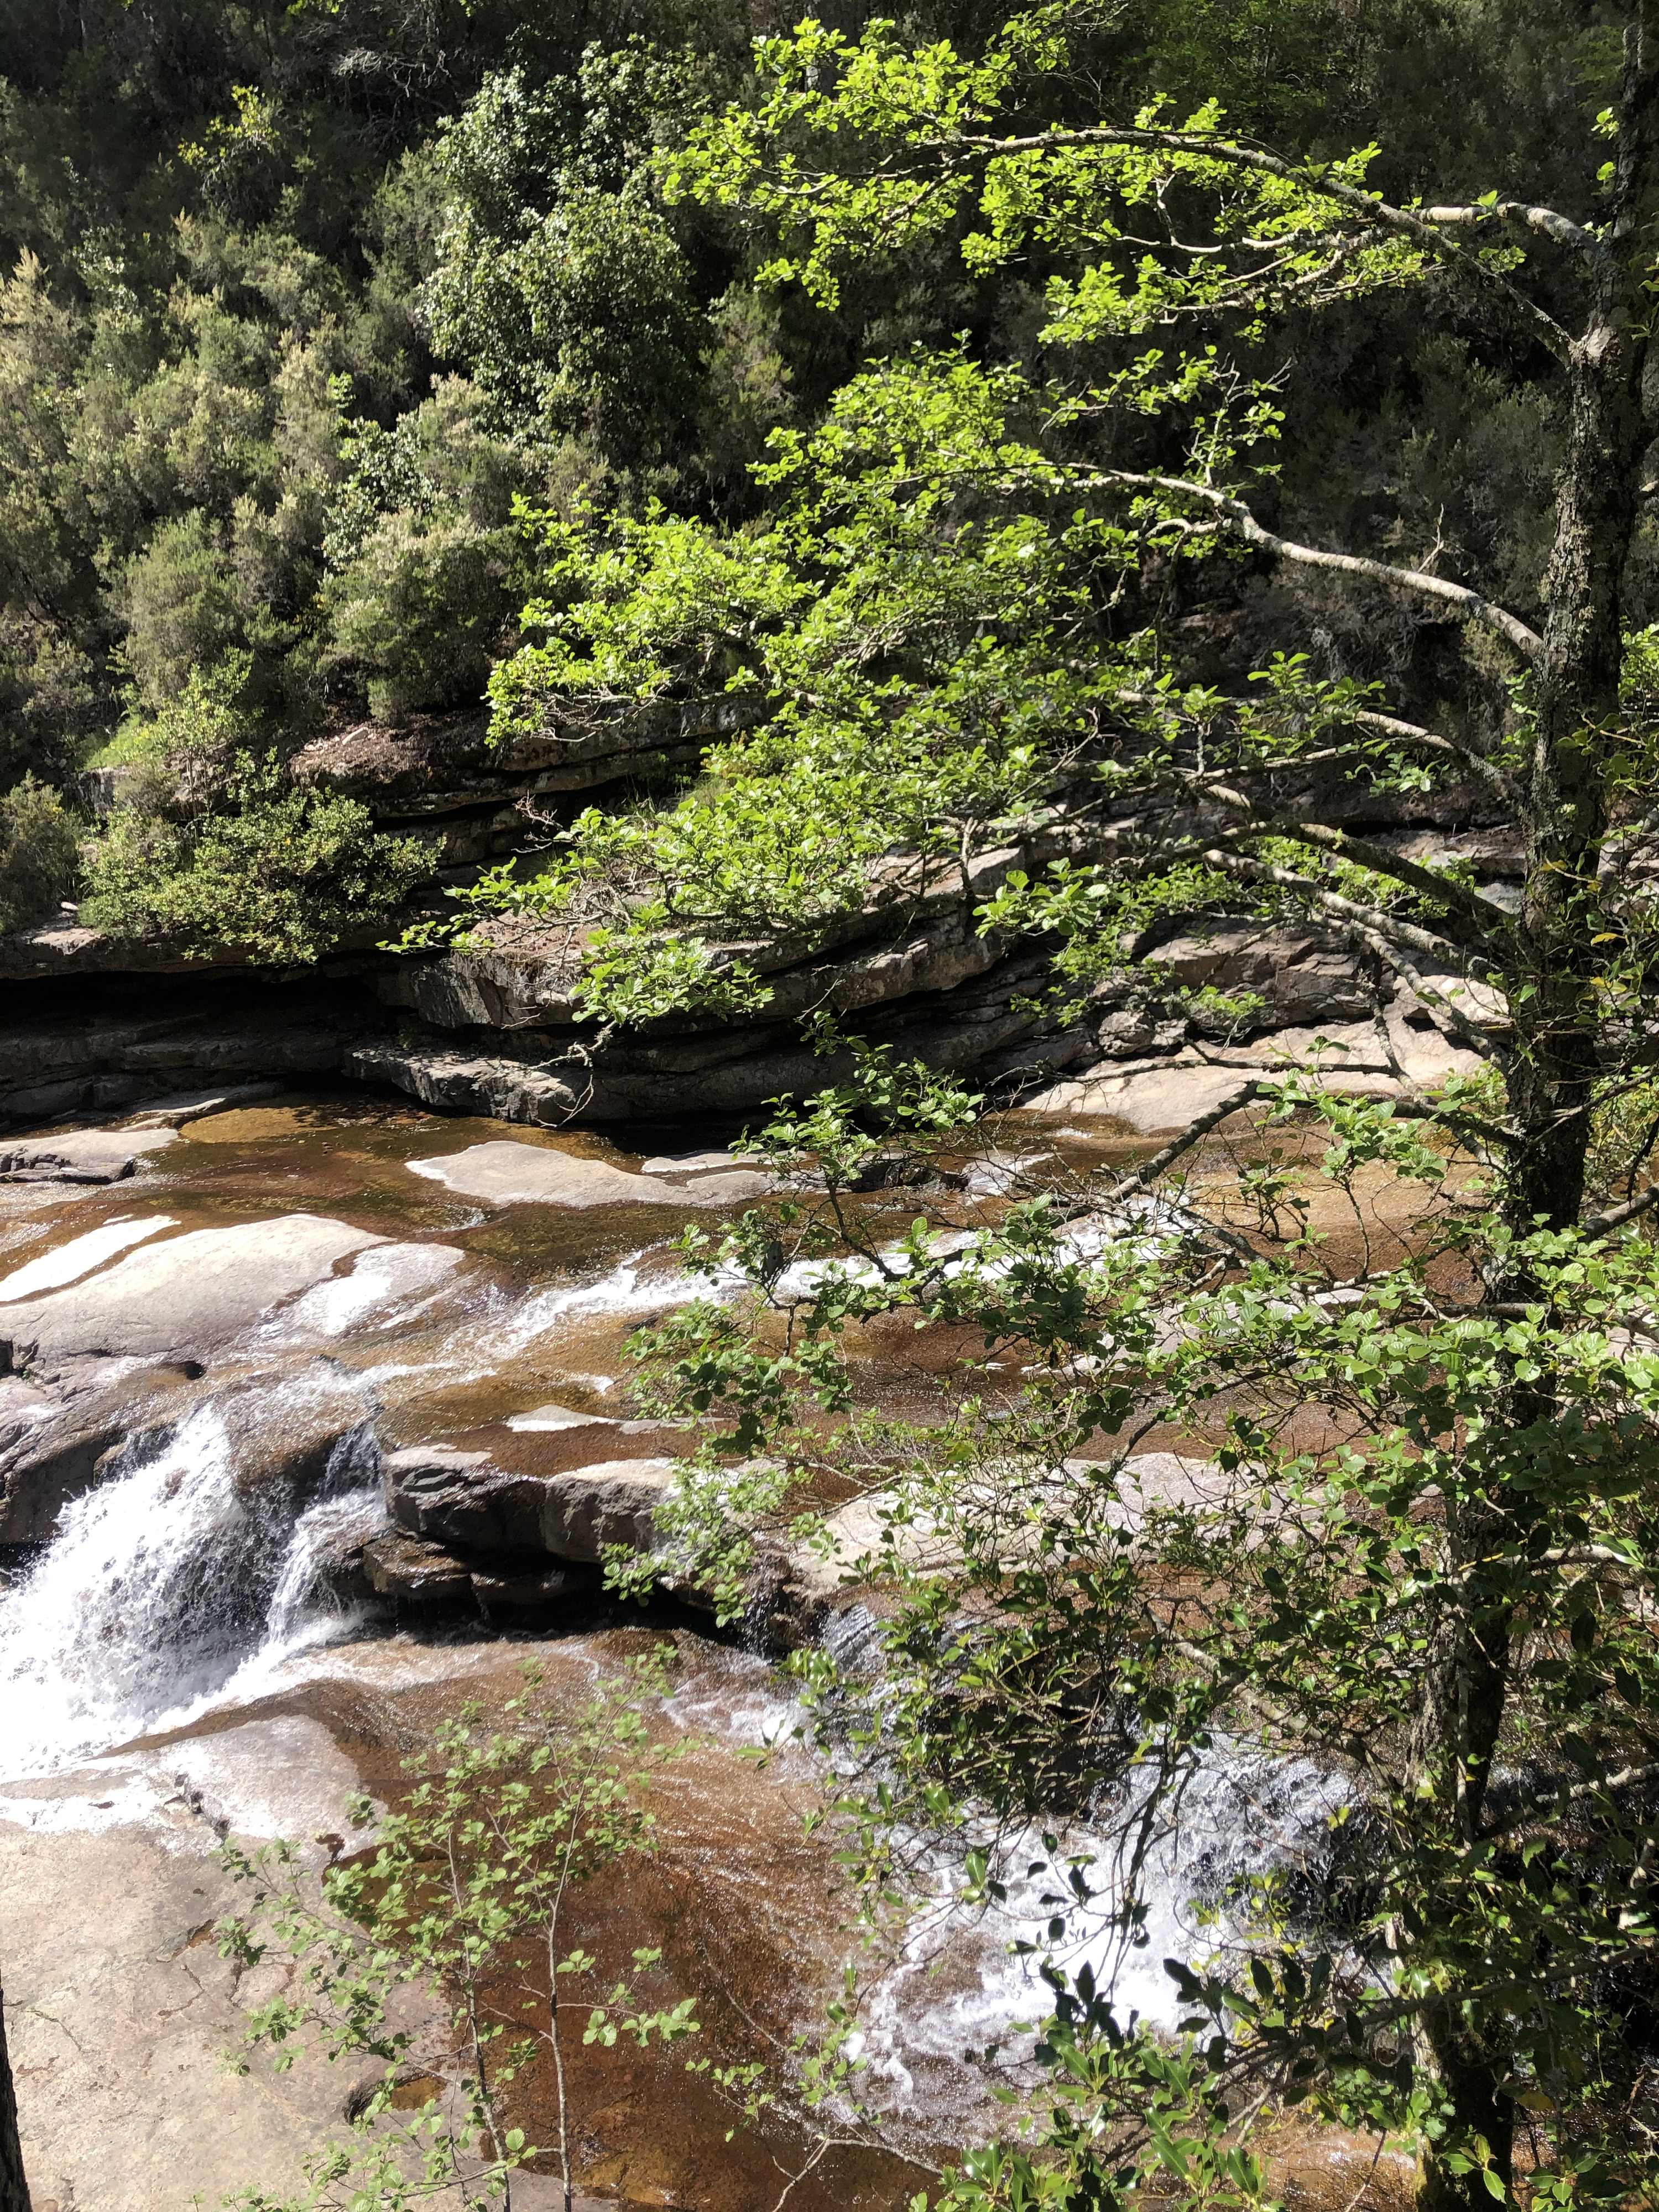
(743, 1905)
(745, 1908)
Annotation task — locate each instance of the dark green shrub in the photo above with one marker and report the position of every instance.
(279, 870)
(40, 855)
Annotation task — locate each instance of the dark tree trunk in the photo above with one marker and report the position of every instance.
(14, 2189)
(1575, 693)
(1554, 1012)
(1470, 2078)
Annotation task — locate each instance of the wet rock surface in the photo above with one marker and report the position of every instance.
(508, 1174)
(410, 1452)
(185, 1296)
(80, 1156)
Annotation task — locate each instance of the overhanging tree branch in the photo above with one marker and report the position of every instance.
(1466, 605)
(1378, 214)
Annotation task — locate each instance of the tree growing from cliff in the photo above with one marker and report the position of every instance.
(1443, 1591)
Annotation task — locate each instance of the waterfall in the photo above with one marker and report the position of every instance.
(160, 1586)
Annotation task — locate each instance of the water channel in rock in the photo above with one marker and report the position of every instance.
(169, 1668)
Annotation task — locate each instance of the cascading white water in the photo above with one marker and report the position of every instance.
(159, 1587)
(1237, 1816)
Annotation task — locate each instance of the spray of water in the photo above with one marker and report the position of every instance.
(161, 1586)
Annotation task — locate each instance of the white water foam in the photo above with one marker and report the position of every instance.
(164, 1587)
(1238, 1816)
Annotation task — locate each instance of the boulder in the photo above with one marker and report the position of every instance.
(1301, 976)
(509, 1590)
(587, 1508)
(186, 1296)
(82, 1156)
(503, 1173)
(452, 1497)
(411, 1572)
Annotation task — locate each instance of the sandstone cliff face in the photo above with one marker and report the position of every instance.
(93, 1026)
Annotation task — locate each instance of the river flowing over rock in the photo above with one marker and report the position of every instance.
(313, 1425)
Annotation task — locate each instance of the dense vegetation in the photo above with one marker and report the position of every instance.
(302, 300)
(1121, 425)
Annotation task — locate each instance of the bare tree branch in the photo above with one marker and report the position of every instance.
(1410, 735)
(1617, 1216)
(1561, 227)
(1453, 1024)
(1377, 858)
(1468, 605)
(1150, 1170)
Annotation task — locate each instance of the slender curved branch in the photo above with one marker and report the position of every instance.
(1347, 911)
(1453, 1024)
(1466, 605)
(1617, 1216)
(1149, 1171)
(1379, 214)
(1421, 740)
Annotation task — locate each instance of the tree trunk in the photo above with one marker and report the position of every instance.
(14, 2189)
(1470, 2079)
(1575, 690)
(1573, 702)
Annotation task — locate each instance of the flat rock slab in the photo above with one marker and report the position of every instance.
(82, 1156)
(188, 1295)
(68, 1262)
(119, 2006)
(174, 1111)
(390, 1280)
(551, 1419)
(1152, 1101)
(503, 1173)
(690, 1164)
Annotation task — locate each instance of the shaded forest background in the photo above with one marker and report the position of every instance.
(304, 301)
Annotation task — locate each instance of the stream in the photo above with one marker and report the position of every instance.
(171, 1669)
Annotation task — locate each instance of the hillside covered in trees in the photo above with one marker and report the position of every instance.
(638, 567)
(318, 319)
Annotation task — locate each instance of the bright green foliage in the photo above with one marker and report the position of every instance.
(468, 1880)
(913, 120)
(915, 663)
(40, 855)
(1066, 1647)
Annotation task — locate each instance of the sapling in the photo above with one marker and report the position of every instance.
(463, 1891)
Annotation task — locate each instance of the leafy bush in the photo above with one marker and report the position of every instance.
(558, 282)
(39, 855)
(424, 556)
(420, 609)
(281, 871)
(175, 762)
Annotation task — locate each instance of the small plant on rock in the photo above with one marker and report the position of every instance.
(464, 1894)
